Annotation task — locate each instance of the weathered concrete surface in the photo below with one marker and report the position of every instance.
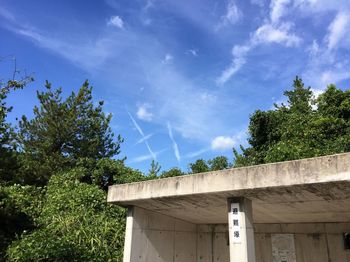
(308, 190)
(314, 242)
(154, 237)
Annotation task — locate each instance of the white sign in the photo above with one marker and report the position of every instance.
(235, 223)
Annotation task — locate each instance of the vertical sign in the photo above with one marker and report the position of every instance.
(236, 223)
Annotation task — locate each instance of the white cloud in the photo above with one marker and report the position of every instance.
(222, 143)
(186, 102)
(175, 146)
(188, 106)
(332, 76)
(143, 113)
(116, 21)
(278, 8)
(233, 15)
(317, 92)
(236, 64)
(272, 31)
(168, 59)
(193, 52)
(281, 34)
(338, 29)
(314, 49)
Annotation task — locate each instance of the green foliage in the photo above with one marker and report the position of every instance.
(306, 127)
(63, 131)
(199, 166)
(218, 163)
(76, 224)
(8, 155)
(105, 172)
(154, 170)
(172, 172)
(20, 207)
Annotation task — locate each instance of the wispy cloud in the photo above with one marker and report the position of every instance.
(179, 98)
(279, 34)
(325, 64)
(116, 21)
(193, 52)
(233, 15)
(143, 113)
(7, 14)
(138, 128)
(271, 31)
(338, 29)
(278, 8)
(168, 59)
(88, 55)
(175, 146)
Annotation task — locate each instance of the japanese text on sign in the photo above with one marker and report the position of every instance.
(236, 225)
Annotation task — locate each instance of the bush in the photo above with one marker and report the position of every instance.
(76, 224)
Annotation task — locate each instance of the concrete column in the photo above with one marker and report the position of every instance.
(241, 231)
(128, 235)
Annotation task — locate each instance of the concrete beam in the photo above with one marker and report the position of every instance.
(293, 191)
(326, 169)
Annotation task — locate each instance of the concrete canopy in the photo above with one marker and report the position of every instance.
(302, 191)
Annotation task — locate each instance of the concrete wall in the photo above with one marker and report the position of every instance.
(154, 237)
(314, 242)
(212, 243)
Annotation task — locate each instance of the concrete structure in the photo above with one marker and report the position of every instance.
(294, 211)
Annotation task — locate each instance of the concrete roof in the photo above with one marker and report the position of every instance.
(308, 190)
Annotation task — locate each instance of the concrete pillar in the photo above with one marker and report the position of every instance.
(241, 231)
(128, 235)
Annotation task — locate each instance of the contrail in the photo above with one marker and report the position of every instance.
(143, 137)
(175, 147)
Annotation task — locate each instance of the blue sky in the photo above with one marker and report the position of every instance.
(180, 77)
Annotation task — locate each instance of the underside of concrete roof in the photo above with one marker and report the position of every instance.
(301, 191)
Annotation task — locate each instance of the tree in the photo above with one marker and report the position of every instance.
(154, 170)
(218, 163)
(305, 127)
(20, 207)
(63, 131)
(199, 166)
(8, 155)
(75, 224)
(172, 172)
